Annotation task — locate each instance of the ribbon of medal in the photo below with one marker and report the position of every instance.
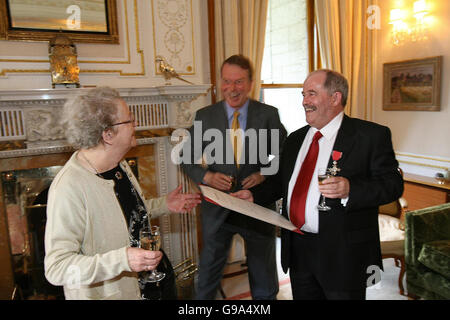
(336, 156)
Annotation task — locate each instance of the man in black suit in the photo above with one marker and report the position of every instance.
(333, 253)
(231, 166)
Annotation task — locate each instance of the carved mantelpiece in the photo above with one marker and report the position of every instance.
(182, 113)
(32, 116)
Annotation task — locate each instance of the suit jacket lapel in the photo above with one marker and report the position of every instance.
(292, 152)
(252, 116)
(344, 140)
(221, 119)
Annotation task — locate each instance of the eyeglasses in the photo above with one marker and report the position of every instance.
(132, 120)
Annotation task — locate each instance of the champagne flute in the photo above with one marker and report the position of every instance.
(233, 183)
(323, 174)
(150, 239)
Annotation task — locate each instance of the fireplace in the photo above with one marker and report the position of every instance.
(33, 150)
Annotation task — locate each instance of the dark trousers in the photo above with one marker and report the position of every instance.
(261, 262)
(304, 272)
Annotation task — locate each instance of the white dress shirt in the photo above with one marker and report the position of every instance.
(326, 144)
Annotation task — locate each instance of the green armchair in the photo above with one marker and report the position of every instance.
(427, 252)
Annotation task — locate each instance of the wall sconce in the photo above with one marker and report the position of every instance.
(408, 28)
(399, 26)
(418, 32)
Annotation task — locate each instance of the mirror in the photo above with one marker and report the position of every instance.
(82, 20)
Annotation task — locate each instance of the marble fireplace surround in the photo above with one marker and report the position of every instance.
(30, 118)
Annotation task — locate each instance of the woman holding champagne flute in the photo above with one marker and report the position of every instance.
(96, 207)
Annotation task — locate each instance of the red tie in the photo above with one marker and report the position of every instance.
(298, 198)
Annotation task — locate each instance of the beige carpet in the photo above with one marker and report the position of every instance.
(237, 288)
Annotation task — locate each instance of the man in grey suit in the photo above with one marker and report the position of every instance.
(228, 170)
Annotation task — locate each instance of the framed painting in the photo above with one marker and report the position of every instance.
(412, 85)
(81, 20)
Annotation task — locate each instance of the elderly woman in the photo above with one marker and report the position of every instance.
(96, 207)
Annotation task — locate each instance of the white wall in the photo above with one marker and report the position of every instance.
(132, 60)
(421, 138)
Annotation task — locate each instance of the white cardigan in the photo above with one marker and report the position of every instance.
(86, 235)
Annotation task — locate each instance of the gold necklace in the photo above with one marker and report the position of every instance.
(118, 174)
(90, 164)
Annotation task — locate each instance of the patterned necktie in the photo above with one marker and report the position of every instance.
(236, 138)
(300, 192)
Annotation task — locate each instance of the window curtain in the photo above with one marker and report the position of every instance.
(240, 27)
(345, 43)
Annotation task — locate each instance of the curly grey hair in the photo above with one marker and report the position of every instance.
(87, 115)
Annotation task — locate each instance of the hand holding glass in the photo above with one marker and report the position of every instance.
(323, 174)
(233, 183)
(150, 239)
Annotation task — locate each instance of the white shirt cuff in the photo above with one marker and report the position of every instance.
(344, 201)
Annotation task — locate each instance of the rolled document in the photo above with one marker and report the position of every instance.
(246, 207)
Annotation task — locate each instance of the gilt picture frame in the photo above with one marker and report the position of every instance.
(92, 21)
(412, 85)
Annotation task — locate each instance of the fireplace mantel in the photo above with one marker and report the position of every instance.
(177, 98)
(32, 116)
(63, 93)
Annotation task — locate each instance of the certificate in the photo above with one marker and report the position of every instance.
(246, 207)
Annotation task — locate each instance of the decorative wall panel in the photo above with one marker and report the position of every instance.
(173, 34)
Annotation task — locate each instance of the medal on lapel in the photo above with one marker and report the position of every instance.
(336, 156)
